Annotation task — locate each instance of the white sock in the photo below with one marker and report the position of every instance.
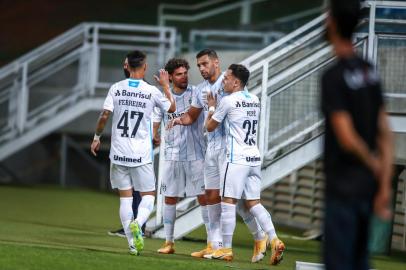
(205, 217)
(264, 219)
(145, 209)
(215, 228)
(250, 221)
(126, 216)
(169, 221)
(227, 223)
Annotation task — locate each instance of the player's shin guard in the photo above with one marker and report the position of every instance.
(169, 220)
(227, 223)
(145, 209)
(250, 221)
(126, 216)
(215, 228)
(264, 219)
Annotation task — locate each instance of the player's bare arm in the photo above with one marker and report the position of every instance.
(163, 80)
(101, 123)
(186, 119)
(351, 142)
(156, 139)
(385, 148)
(211, 124)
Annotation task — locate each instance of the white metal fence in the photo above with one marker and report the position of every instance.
(71, 67)
(285, 75)
(204, 10)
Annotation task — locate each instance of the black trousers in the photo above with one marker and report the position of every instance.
(346, 233)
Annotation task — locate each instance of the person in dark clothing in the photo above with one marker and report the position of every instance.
(357, 149)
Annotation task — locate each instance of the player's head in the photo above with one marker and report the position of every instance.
(342, 19)
(135, 61)
(235, 78)
(207, 63)
(178, 72)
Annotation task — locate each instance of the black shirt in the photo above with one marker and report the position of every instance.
(353, 86)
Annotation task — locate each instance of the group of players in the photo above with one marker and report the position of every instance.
(210, 152)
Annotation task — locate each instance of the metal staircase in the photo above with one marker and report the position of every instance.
(68, 76)
(285, 76)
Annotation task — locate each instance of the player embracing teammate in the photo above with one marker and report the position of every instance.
(220, 147)
(224, 173)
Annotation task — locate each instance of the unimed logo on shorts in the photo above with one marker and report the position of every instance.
(127, 159)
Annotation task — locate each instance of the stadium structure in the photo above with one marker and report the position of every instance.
(51, 96)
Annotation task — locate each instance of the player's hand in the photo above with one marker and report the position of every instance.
(382, 203)
(156, 140)
(95, 147)
(174, 122)
(163, 78)
(211, 100)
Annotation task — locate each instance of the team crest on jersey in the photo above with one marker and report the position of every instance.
(190, 100)
(163, 188)
(221, 91)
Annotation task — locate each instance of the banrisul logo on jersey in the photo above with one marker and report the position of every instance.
(133, 83)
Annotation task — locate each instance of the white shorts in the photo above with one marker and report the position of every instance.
(241, 182)
(213, 169)
(140, 178)
(182, 178)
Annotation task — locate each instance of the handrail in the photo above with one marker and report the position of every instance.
(263, 60)
(191, 7)
(82, 44)
(36, 53)
(80, 29)
(286, 39)
(243, 4)
(245, 39)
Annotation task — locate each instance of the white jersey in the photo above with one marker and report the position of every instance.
(215, 139)
(183, 143)
(132, 103)
(240, 112)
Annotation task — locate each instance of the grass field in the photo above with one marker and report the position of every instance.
(51, 228)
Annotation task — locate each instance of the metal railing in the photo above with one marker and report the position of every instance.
(285, 75)
(227, 39)
(72, 66)
(207, 9)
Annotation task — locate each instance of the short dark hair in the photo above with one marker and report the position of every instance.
(176, 63)
(346, 14)
(136, 59)
(209, 52)
(240, 72)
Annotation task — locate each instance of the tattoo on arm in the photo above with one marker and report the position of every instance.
(101, 122)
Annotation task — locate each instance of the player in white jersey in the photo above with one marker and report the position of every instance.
(132, 102)
(208, 64)
(184, 152)
(242, 176)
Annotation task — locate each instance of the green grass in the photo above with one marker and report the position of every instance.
(52, 228)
